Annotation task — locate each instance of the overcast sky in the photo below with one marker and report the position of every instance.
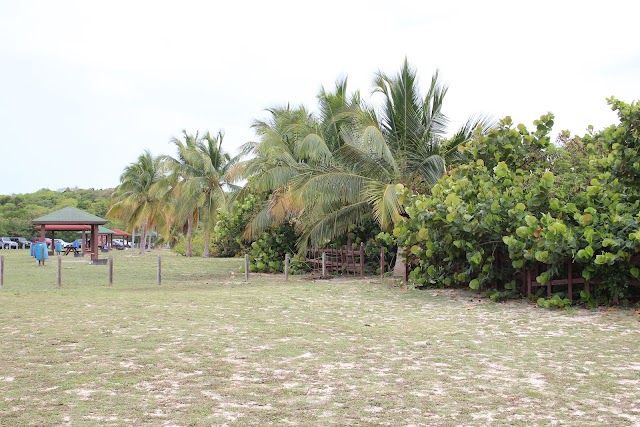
(86, 86)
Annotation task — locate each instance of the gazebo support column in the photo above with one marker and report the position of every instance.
(84, 242)
(94, 241)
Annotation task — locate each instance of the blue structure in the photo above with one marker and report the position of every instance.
(40, 252)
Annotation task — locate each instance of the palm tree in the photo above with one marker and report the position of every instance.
(212, 183)
(136, 200)
(182, 167)
(201, 178)
(333, 182)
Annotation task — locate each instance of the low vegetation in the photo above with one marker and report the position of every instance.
(205, 348)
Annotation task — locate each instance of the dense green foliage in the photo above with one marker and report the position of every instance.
(268, 251)
(522, 199)
(17, 211)
(227, 234)
(331, 171)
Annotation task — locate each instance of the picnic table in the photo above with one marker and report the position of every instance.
(69, 249)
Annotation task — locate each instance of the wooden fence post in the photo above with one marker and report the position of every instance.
(110, 270)
(362, 260)
(246, 268)
(286, 267)
(59, 271)
(159, 270)
(1, 271)
(324, 264)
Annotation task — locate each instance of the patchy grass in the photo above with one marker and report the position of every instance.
(207, 349)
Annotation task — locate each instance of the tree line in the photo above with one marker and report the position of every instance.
(313, 178)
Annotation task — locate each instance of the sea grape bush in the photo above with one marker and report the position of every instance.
(227, 233)
(267, 253)
(519, 200)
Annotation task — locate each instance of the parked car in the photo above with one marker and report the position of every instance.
(62, 242)
(22, 242)
(119, 244)
(7, 243)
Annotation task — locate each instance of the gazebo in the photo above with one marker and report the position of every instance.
(121, 233)
(105, 237)
(70, 219)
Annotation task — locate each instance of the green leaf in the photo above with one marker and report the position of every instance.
(586, 219)
(543, 278)
(524, 231)
(474, 284)
(501, 170)
(542, 256)
(635, 272)
(531, 221)
(474, 257)
(588, 235)
(547, 180)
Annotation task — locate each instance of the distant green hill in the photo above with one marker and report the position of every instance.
(17, 211)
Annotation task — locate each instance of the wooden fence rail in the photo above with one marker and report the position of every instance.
(337, 261)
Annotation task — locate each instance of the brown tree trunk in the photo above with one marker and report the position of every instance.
(398, 269)
(207, 241)
(143, 238)
(188, 250)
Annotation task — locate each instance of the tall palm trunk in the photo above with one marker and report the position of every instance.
(143, 238)
(207, 241)
(189, 251)
(399, 268)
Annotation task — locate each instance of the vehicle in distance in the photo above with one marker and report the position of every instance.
(7, 243)
(62, 243)
(22, 242)
(119, 244)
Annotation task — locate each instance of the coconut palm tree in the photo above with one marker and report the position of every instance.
(182, 167)
(332, 182)
(212, 183)
(136, 200)
(200, 173)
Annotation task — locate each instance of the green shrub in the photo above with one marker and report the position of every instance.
(268, 251)
(227, 233)
(197, 245)
(520, 200)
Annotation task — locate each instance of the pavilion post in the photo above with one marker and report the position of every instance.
(94, 241)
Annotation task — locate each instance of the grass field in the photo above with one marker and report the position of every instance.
(207, 349)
